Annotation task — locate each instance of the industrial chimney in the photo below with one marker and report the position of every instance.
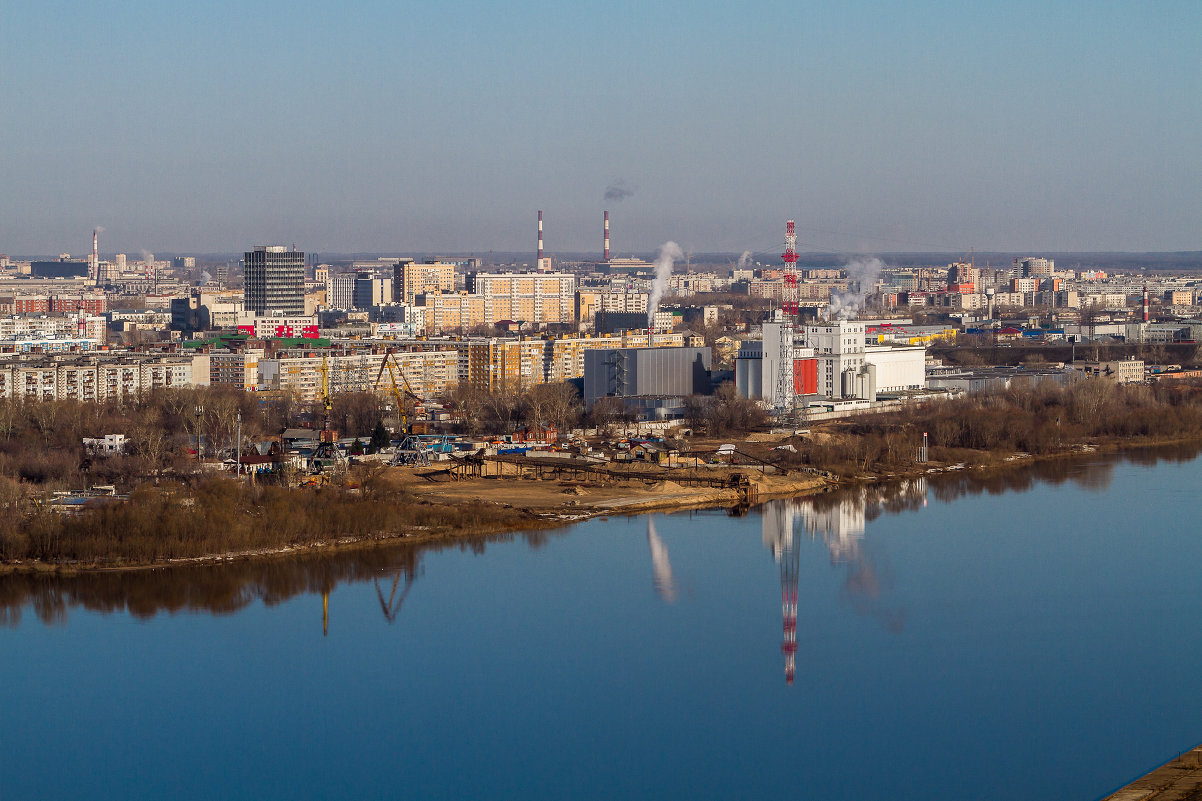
(606, 248)
(539, 263)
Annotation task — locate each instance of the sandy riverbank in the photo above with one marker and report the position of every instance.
(521, 505)
(584, 499)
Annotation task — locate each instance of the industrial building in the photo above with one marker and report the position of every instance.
(835, 362)
(654, 380)
(758, 364)
(59, 268)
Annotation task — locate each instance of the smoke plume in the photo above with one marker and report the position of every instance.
(147, 257)
(669, 252)
(618, 190)
(205, 277)
(861, 275)
(99, 229)
(745, 259)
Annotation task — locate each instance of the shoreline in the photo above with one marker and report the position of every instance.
(633, 501)
(661, 496)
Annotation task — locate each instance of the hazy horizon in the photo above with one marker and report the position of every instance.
(1031, 127)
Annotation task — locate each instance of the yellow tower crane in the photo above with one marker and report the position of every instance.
(326, 404)
(401, 392)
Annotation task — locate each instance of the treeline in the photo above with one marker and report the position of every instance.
(535, 407)
(41, 441)
(976, 351)
(221, 515)
(1038, 419)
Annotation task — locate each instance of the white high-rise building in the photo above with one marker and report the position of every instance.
(839, 347)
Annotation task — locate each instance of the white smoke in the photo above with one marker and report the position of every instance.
(665, 585)
(99, 229)
(861, 276)
(147, 257)
(205, 277)
(669, 252)
(744, 260)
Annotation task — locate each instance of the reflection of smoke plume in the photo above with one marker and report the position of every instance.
(618, 190)
(745, 259)
(205, 277)
(863, 589)
(664, 583)
(839, 519)
(861, 275)
(669, 252)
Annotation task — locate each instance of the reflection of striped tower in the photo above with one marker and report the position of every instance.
(789, 568)
(790, 303)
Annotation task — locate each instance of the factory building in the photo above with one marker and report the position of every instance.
(757, 366)
(839, 348)
(653, 380)
(59, 268)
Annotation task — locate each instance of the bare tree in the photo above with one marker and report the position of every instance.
(150, 440)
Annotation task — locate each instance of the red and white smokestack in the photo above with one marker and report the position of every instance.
(540, 239)
(1145, 303)
(606, 257)
(651, 336)
(95, 256)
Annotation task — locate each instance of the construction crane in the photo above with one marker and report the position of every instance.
(325, 398)
(401, 392)
(392, 606)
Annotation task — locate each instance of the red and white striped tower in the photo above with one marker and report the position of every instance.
(790, 305)
(538, 264)
(1145, 303)
(606, 248)
(95, 256)
(789, 570)
(790, 297)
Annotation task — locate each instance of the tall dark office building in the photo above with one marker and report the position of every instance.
(274, 280)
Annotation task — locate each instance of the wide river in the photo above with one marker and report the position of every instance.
(1033, 635)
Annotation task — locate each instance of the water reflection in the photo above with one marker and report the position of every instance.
(228, 588)
(839, 519)
(665, 585)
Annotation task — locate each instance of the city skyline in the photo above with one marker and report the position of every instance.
(443, 128)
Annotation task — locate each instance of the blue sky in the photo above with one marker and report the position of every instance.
(444, 126)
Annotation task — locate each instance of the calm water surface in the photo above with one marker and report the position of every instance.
(1033, 636)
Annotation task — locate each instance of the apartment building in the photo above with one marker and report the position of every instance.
(237, 369)
(428, 373)
(531, 297)
(410, 279)
(92, 378)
